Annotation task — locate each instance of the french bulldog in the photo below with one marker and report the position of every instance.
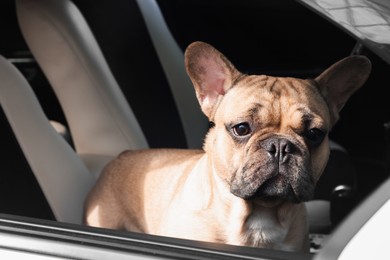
(266, 149)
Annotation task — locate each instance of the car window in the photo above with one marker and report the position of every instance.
(284, 38)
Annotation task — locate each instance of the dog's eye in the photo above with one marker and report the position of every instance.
(315, 136)
(241, 129)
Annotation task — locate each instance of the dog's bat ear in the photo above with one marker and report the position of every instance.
(341, 80)
(211, 73)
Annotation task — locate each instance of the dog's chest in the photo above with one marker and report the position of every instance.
(264, 229)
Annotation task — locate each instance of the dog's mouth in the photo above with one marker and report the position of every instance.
(268, 202)
(275, 189)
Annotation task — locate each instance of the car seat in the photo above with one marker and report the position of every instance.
(63, 44)
(63, 177)
(99, 117)
(100, 120)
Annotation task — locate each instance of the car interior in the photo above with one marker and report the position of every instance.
(82, 81)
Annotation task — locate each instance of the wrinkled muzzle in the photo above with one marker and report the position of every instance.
(275, 168)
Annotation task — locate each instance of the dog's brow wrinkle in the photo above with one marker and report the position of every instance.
(304, 111)
(240, 78)
(294, 87)
(251, 80)
(255, 108)
(273, 87)
(306, 116)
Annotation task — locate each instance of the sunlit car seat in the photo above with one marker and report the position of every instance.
(66, 50)
(63, 177)
(63, 44)
(100, 120)
(99, 117)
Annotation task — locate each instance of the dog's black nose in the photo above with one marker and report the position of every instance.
(279, 148)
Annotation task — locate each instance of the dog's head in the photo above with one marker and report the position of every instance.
(269, 141)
